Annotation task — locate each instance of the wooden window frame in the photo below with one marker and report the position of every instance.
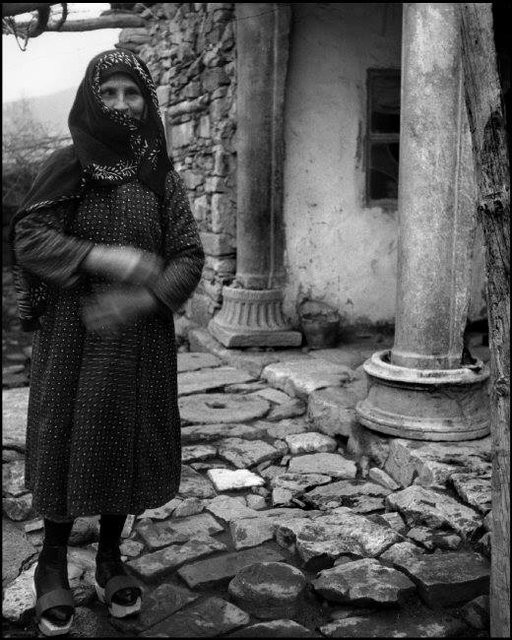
(372, 137)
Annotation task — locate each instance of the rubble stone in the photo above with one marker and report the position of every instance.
(16, 550)
(14, 418)
(247, 453)
(311, 442)
(359, 495)
(474, 489)
(290, 409)
(194, 485)
(193, 453)
(221, 569)
(332, 410)
(13, 478)
(476, 612)
(363, 582)
(203, 433)
(228, 509)
(283, 428)
(274, 629)
(301, 377)
(227, 480)
(204, 380)
(174, 531)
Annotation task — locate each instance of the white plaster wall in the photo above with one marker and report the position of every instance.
(337, 249)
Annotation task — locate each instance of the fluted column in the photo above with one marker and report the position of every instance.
(421, 389)
(251, 313)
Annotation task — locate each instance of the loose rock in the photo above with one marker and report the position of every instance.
(330, 464)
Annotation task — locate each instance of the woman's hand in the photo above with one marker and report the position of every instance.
(108, 312)
(123, 264)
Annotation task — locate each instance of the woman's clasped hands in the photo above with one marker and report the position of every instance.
(132, 268)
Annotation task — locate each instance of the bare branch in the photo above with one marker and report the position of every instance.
(16, 8)
(113, 21)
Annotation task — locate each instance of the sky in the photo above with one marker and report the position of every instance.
(53, 61)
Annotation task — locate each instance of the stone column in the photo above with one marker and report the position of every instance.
(421, 389)
(251, 313)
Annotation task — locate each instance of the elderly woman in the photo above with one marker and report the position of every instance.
(105, 250)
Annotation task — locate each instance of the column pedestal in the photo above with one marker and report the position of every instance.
(252, 318)
(420, 389)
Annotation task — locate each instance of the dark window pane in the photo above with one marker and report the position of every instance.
(385, 103)
(384, 170)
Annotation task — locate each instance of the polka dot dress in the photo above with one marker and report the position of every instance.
(103, 432)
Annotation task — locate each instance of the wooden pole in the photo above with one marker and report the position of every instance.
(484, 100)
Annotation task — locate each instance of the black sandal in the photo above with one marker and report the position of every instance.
(119, 591)
(54, 601)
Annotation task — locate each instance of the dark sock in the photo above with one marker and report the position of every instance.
(56, 534)
(111, 527)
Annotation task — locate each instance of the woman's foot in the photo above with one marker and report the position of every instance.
(115, 586)
(54, 602)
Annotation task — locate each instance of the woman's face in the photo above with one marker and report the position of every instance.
(120, 92)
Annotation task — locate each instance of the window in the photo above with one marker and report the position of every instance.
(383, 136)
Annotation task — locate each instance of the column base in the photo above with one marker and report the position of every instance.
(252, 318)
(422, 404)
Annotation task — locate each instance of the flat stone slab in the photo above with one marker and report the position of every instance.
(273, 395)
(474, 489)
(205, 379)
(361, 496)
(331, 464)
(194, 453)
(227, 480)
(396, 624)
(214, 408)
(14, 418)
(450, 578)
(189, 507)
(18, 508)
(302, 377)
(285, 427)
(381, 477)
(159, 604)
(156, 565)
(163, 534)
(310, 442)
(332, 410)
(298, 482)
(220, 569)
(274, 629)
(16, 550)
(340, 532)
(434, 462)
(194, 485)
(18, 598)
(197, 360)
(401, 553)
(163, 512)
(363, 582)
(268, 590)
(420, 506)
(206, 619)
(203, 433)
(251, 532)
(246, 453)
(228, 509)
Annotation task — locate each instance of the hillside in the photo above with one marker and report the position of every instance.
(51, 110)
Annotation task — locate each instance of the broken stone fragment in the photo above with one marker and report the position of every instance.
(359, 495)
(363, 582)
(243, 453)
(227, 480)
(268, 590)
(229, 508)
(331, 464)
(310, 442)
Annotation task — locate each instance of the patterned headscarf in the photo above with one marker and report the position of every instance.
(109, 147)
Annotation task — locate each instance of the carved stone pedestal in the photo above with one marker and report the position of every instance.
(253, 318)
(425, 404)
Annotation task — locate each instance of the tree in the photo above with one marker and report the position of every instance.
(487, 100)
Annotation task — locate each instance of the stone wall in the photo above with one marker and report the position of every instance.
(190, 51)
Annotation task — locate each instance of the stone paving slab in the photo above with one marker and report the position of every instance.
(203, 433)
(332, 410)
(330, 464)
(284, 427)
(195, 453)
(445, 579)
(420, 506)
(156, 565)
(228, 508)
(363, 582)
(274, 629)
(300, 378)
(361, 496)
(246, 453)
(159, 604)
(226, 480)
(16, 550)
(193, 484)
(214, 408)
(218, 570)
(433, 462)
(14, 418)
(396, 624)
(206, 379)
(176, 530)
(205, 619)
(474, 489)
(13, 478)
(192, 361)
